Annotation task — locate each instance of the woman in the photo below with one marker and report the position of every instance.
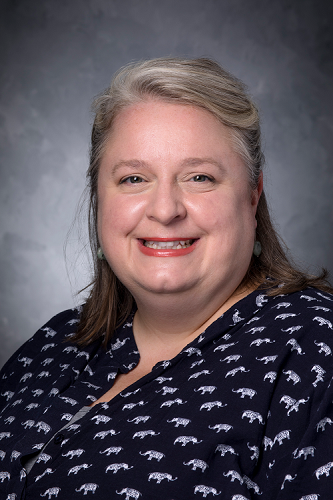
(200, 365)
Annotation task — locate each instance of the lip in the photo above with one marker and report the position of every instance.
(166, 252)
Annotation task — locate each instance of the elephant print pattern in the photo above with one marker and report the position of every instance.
(243, 412)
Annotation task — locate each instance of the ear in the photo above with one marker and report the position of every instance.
(256, 193)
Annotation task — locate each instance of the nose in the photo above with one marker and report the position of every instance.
(166, 204)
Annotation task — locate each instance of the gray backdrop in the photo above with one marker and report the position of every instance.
(57, 54)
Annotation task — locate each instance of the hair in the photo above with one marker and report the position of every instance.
(204, 84)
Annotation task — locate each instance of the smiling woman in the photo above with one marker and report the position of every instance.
(187, 266)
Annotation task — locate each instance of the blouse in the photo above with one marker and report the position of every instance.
(242, 412)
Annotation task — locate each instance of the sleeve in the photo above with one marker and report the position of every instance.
(307, 470)
(297, 457)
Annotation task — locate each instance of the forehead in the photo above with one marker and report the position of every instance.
(158, 111)
(163, 128)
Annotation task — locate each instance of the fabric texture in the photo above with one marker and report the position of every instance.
(243, 412)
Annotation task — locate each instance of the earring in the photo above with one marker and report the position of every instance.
(257, 248)
(100, 254)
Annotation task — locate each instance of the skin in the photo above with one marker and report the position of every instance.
(170, 172)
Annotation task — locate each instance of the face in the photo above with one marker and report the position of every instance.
(176, 214)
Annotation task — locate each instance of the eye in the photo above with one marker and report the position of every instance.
(201, 178)
(133, 179)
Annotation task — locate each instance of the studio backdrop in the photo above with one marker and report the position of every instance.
(57, 55)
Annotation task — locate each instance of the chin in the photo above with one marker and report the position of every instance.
(164, 287)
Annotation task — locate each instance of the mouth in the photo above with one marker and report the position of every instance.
(168, 244)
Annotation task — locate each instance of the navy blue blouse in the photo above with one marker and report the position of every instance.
(243, 412)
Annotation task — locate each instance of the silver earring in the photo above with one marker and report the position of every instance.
(257, 248)
(100, 254)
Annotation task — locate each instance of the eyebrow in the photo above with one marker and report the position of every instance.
(199, 161)
(185, 163)
(128, 163)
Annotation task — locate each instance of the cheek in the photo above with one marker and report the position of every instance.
(231, 216)
(225, 210)
(117, 215)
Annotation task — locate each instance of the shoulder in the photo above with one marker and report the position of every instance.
(49, 338)
(302, 326)
(58, 328)
(298, 327)
(63, 323)
(310, 304)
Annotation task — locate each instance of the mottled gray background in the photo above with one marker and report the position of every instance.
(57, 54)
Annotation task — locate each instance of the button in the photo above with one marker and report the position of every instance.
(59, 439)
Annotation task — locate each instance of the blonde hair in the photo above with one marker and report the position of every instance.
(205, 84)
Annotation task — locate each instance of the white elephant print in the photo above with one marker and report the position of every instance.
(50, 492)
(179, 421)
(252, 416)
(112, 449)
(4, 475)
(322, 423)
(130, 493)
(153, 454)
(324, 469)
(159, 476)
(187, 439)
(116, 467)
(233, 475)
(224, 448)
(206, 490)
(87, 487)
(305, 452)
(77, 468)
(221, 427)
(197, 464)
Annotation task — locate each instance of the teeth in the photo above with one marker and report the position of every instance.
(174, 245)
